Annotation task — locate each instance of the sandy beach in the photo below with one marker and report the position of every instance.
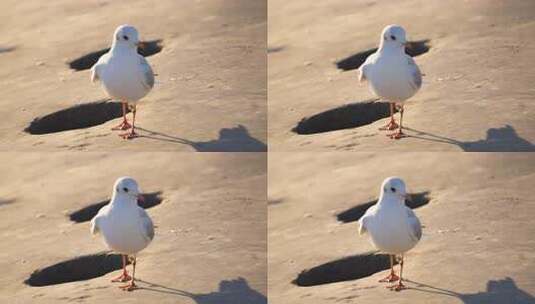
(477, 211)
(200, 101)
(477, 92)
(270, 89)
(209, 211)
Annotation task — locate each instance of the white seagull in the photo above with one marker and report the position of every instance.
(392, 74)
(124, 74)
(126, 227)
(392, 226)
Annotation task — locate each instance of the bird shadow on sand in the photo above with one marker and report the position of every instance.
(348, 116)
(497, 291)
(79, 268)
(344, 269)
(79, 116)
(278, 201)
(275, 49)
(235, 139)
(358, 114)
(4, 202)
(504, 139)
(7, 49)
(230, 292)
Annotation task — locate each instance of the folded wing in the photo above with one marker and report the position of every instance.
(364, 220)
(415, 227)
(95, 228)
(95, 69)
(147, 76)
(415, 79)
(147, 227)
(364, 68)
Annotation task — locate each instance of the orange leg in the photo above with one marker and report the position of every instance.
(392, 277)
(123, 125)
(399, 134)
(392, 125)
(132, 133)
(399, 286)
(132, 285)
(124, 276)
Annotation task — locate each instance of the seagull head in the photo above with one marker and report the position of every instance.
(127, 187)
(394, 187)
(126, 36)
(393, 37)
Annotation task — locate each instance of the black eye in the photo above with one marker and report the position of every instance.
(125, 37)
(392, 37)
(393, 189)
(125, 189)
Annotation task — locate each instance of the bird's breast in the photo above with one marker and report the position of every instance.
(389, 78)
(389, 231)
(121, 78)
(122, 232)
